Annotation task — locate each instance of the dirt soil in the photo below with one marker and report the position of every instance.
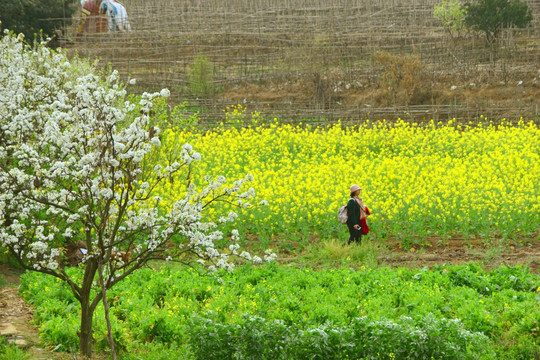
(16, 320)
(494, 99)
(457, 250)
(16, 315)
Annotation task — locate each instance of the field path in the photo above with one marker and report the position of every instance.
(16, 320)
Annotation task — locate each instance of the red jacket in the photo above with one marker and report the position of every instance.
(363, 223)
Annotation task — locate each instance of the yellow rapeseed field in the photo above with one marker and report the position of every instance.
(440, 179)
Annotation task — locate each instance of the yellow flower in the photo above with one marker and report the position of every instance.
(436, 177)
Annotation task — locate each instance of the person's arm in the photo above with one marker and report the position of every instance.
(350, 207)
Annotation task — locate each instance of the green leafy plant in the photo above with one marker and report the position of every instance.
(201, 77)
(11, 351)
(452, 15)
(156, 351)
(179, 118)
(491, 16)
(278, 312)
(364, 338)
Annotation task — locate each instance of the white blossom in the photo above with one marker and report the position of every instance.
(187, 148)
(233, 248)
(269, 256)
(245, 255)
(145, 185)
(155, 141)
(165, 93)
(68, 233)
(82, 170)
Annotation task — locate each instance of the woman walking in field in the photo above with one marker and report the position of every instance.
(357, 211)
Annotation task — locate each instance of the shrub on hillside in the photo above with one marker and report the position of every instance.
(402, 79)
(491, 16)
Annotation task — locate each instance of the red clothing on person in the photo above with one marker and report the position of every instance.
(363, 222)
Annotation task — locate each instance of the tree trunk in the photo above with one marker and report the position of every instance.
(85, 335)
(87, 311)
(106, 308)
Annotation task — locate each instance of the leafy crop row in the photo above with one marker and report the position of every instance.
(362, 338)
(450, 312)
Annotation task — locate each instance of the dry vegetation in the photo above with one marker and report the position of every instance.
(323, 59)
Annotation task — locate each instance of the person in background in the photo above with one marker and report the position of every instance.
(357, 211)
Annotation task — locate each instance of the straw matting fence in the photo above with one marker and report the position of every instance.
(297, 58)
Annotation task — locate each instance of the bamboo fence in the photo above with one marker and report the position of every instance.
(254, 48)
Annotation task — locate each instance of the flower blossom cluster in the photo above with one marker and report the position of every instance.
(71, 155)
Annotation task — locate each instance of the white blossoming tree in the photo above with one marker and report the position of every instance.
(71, 180)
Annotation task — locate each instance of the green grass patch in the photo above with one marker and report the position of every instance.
(338, 253)
(11, 351)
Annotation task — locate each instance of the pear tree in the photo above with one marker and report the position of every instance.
(72, 149)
